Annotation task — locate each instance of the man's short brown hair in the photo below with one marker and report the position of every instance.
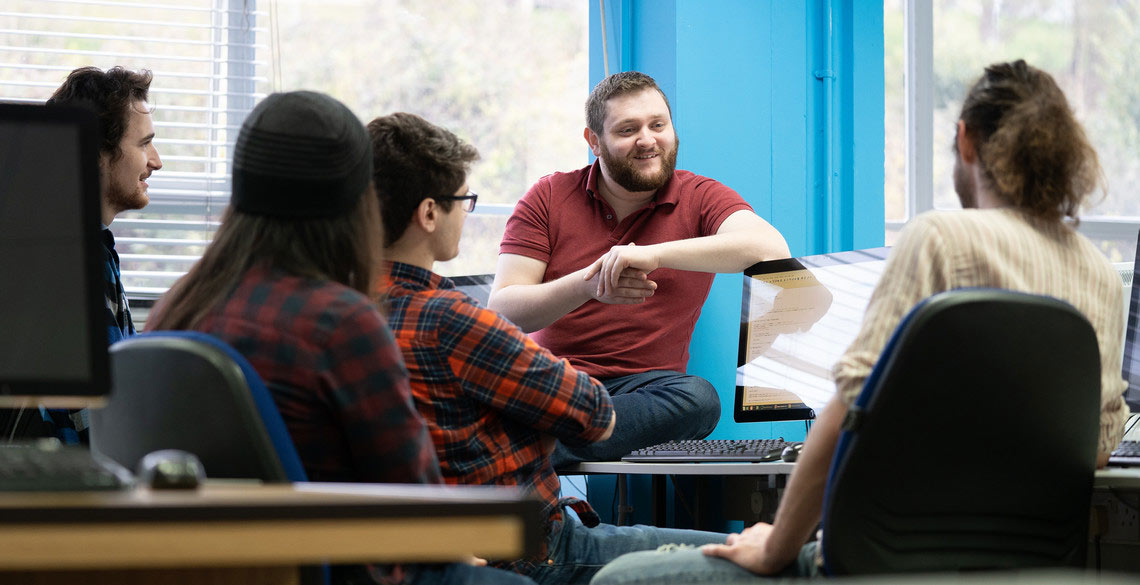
(618, 84)
(412, 160)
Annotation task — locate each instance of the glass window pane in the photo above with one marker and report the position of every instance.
(201, 53)
(1087, 46)
(511, 78)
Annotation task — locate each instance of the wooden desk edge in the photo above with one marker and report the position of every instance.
(262, 525)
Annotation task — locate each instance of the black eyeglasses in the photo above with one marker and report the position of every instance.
(468, 200)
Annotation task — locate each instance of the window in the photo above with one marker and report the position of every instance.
(201, 53)
(509, 77)
(1087, 46)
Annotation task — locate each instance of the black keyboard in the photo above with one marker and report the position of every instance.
(710, 450)
(1127, 453)
(47, 465)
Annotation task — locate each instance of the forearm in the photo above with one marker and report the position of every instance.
(534, 306)
(802, 505)
(724, 252)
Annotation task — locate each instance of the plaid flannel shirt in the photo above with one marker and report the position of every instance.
(71, 425)
(336, 376)
(489, 393)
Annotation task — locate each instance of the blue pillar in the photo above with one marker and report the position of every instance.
(780, 100)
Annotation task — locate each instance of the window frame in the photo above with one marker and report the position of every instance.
(918, 41)
(221, 83)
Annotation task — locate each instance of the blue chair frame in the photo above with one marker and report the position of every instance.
(189, 390)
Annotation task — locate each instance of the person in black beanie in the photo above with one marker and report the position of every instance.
(286, 283)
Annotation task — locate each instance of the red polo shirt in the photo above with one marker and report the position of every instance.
(564, 222)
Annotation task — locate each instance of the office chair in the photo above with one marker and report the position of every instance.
(973, 443)
(189, 390)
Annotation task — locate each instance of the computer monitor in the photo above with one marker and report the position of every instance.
(476, 286)
(1131, 369)
(798, 316)
(53, 345)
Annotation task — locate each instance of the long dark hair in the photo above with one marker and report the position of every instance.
(1033, 150)
(343, 249)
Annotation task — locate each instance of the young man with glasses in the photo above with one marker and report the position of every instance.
(494, 400)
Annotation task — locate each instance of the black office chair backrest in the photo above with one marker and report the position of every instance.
(973, 443)
(188, 390)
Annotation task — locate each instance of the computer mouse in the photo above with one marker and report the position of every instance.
(792, 452)
(171, 469)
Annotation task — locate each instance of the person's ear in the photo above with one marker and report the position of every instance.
(592, 140)
(427, 214)
(965, 144)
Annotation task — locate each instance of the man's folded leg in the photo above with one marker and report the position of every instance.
(651, 408)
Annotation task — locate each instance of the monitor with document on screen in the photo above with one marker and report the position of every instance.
(798, 316)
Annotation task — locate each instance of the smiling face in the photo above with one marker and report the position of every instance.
(123, 178)
(638, 145)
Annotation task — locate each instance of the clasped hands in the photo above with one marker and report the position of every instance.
(621, 276)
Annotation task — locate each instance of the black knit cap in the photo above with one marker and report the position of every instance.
(301, 154)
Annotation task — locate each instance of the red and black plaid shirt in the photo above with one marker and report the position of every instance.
(335, 374)
(488, 392)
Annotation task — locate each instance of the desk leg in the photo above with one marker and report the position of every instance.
(659, 509)
(623, 499)
(699, 497)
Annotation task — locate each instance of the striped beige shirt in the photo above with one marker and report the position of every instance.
(995, 248)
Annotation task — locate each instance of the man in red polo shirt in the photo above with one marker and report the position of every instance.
(608, 266)
(492, 398)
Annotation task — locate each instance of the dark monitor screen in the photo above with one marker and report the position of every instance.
(53, 330)
(798, 316)
(1131, 342)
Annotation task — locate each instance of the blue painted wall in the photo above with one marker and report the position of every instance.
(781, 100)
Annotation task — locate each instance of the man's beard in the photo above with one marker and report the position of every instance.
(623, 173)
(126, 199)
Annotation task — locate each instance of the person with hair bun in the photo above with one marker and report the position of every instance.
(1024, 168)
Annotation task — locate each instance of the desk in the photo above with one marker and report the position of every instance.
(1127, 478)
(774, 474)
(254, 533)
(1114, 528)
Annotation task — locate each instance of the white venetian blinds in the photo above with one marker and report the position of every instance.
(204, 56)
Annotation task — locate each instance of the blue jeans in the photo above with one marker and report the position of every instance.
(575, 552)
(651, 407)
(692, 567)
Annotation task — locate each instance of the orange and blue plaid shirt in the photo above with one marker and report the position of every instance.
(489, 393)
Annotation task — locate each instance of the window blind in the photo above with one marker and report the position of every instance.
(204, 56)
